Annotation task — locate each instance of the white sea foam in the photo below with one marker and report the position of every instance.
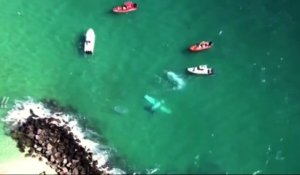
(21, 111)
(220, 32)
(152, 171)
(176, 79)
(256, 172)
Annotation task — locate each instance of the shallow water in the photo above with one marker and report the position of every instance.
(222, 123)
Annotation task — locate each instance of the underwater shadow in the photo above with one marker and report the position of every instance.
(119, 161)
(187, 73)
(120, 110)
(110, 12)
(185, 51)
(149, 110)
(80, 43)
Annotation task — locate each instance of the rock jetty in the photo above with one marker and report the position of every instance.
(53, 140)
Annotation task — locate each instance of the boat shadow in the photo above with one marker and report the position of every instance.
(80, 43)
(185, 51)
(110, 12)
(187, 73)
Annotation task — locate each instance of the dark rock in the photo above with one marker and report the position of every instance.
(39, 149)
(30, 151)
(28, 142)
(68, 128)
(57, 154)
(39, 131)
(37, 137)
(75, 161)
(49, 146)
(48, 153)
(57, 144)
(65, 170)
(31, 135)
(52, 159)
(95, 163)
(27, 155)
(69, 164)
(65, 161)
(31, 112)
(75, 171)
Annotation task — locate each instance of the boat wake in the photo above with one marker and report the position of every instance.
(176, 80)
(22, 110)
(152, 171)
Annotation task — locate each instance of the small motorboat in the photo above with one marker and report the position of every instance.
(200, 70)
(89, 42)
(127, 7)
(204, 45)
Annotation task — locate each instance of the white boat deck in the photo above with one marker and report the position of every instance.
(200, 70)
(89, 43)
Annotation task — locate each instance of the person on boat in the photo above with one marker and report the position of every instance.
(127, 6)
(205, 44)
(201, 45)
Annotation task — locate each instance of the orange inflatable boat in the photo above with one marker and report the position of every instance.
(204, 45)
(127, 7)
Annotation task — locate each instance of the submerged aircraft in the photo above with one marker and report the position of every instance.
(157, 104)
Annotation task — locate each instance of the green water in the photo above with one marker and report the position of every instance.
(220, 123)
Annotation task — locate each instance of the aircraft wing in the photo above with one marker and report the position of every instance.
(165, 110)
(150, 99)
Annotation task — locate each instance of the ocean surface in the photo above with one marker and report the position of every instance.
(243, 119)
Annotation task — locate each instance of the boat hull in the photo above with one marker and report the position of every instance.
(89, 43)
(200, 70)
(195, 48)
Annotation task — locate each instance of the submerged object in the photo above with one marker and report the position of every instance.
(120, 110)
(89, 42)
(200, 70)
(4, 102)
(127, 7)
(176, 79)
(157, 104)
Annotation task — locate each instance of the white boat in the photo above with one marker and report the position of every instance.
(200, 70)
(89, 43)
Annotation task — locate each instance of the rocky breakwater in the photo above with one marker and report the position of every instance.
(52, 139)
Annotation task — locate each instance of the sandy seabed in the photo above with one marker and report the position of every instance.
(25, 165)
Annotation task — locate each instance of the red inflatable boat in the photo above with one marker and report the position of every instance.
(127, 7)
(204, 45)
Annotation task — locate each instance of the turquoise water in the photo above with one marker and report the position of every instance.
(242, 119)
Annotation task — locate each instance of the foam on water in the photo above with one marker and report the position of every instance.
(20, 112)
(256, 172)
(176, 79)
(120, 110)
(137, 50)
(152, 171)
